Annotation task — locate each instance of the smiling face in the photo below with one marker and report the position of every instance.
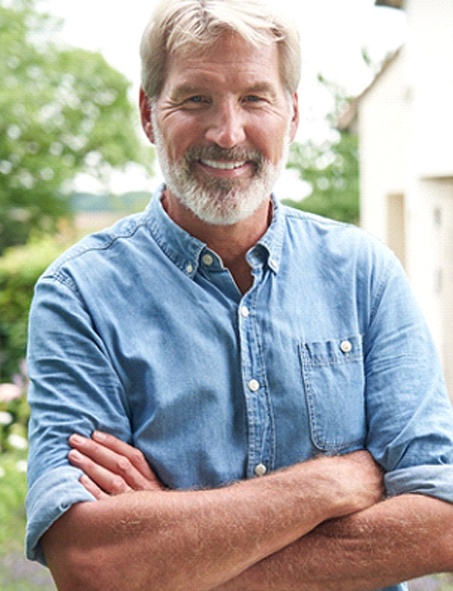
(222, 127)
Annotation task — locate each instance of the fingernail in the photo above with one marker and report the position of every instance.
(76, 439)
(99, 436)
(75, 455)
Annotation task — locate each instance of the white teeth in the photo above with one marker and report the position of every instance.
(223, 165)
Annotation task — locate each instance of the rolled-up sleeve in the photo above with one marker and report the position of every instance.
(48, 498)
(73, 388)
(409, 414)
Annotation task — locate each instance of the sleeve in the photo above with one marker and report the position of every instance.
(73, 388)
(409, 414)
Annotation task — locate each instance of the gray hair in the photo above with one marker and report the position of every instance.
(182, 26)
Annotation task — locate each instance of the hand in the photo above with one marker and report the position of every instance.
(360, 481)
(110, 466)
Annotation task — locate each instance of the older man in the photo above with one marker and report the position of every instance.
(232, 377)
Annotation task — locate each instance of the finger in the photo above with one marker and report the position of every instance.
(108, 481)
(93, 488)
(114, 463)
(134, 455)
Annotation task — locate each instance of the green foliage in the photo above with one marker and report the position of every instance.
(14, 417)
(20, 268)
(332, 171)
(330, 168)
(16, 573)
(12, 494)
(62, 111)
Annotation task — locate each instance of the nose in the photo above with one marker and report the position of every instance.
(226, 126)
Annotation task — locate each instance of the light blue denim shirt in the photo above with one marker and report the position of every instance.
(140, 331)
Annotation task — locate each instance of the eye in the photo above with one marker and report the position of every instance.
(197, 99)
(255, 100)
(195, 102)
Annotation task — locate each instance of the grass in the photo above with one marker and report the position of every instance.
(16, 573)
(12, 494)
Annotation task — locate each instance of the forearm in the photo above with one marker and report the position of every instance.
(192, 540)
(393, 541)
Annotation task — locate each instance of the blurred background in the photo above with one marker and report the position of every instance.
(374, 148)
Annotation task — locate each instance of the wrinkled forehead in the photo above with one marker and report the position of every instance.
(225, 50)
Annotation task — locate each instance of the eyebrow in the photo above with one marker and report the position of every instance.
(192, 89)
(184, 90)
(262, 87)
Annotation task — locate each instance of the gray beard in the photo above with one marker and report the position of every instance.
(218, 201)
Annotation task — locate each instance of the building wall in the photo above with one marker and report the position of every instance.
(405, 122)
(384, 126)
(430, 70)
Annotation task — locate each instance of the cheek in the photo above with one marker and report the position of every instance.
(182, 137)
(271, 138)
(272, 147)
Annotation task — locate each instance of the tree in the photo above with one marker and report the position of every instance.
(62, 110)
(332, 171)
(331, 168)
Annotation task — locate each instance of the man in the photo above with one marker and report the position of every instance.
(218, 382)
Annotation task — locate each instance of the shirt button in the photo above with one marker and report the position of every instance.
(208, 259)
(346, 346)
(260, 470)
(245, 312)
(254, 385)
(273, 265)
(189, 268)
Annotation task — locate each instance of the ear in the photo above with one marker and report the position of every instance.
(145, 115)
(295, 118)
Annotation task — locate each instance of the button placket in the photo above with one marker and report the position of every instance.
(259, 413)
(245, 312)
(260, 470)
(254, 385)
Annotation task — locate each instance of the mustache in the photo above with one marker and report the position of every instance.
(226, 154)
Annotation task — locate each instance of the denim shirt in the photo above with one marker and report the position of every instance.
(140, 331)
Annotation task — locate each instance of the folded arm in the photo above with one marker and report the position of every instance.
(194, 540)
(251, 536)
(397, 540)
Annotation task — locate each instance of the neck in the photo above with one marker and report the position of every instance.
(230, 242)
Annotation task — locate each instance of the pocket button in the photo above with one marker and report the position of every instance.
(346, 346)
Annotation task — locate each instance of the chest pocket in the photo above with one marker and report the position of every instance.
(334, 383)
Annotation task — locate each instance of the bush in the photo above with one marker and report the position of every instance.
(13, 487)
(20, 268)
(14, 413)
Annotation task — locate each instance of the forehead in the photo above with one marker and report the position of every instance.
(230, 60)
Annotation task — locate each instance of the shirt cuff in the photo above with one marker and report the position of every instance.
(47, 500)
(433, 481)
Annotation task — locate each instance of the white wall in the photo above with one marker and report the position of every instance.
(430, 70)
(405, 123)
(384, 131)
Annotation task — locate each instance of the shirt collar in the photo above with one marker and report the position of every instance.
(185, 251)
(272, 241)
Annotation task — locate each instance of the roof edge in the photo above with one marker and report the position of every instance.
(347, 118)
(390, 3)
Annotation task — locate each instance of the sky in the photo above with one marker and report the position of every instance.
(333, 33)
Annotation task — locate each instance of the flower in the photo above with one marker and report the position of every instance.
(17, 441)
(21, 466)
(6, 418)
(9, 392)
